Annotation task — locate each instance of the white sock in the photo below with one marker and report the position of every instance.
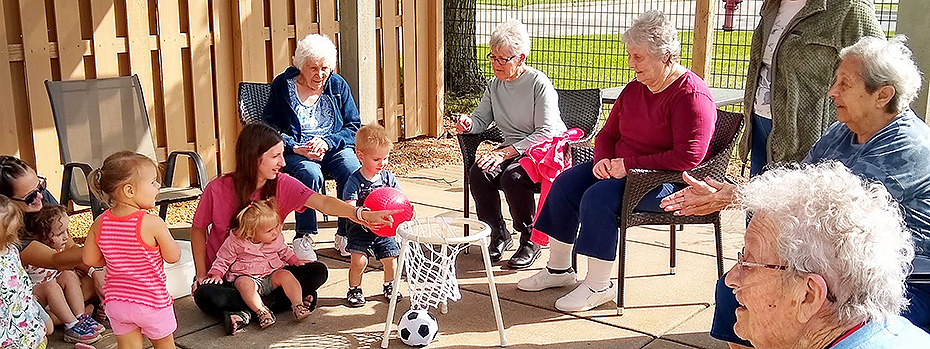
(599, 272)
(70, 324)
(560, 255)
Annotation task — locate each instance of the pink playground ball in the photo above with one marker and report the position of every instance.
(387, 198)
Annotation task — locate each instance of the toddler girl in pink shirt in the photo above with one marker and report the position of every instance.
(253, 258)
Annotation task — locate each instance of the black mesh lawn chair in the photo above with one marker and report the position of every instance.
(579, 109)
(95, 118)
(640, 182)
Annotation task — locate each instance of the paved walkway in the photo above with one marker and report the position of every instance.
(663, 310)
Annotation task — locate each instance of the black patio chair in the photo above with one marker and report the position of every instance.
(579, 109)
(97, 117)
(640, 182)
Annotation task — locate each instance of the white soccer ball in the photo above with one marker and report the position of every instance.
(417, 328)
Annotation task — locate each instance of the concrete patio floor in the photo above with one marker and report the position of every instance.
(662, 310)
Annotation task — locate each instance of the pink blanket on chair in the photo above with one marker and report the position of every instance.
(543, 162)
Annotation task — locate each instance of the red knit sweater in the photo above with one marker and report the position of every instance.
(669, 130)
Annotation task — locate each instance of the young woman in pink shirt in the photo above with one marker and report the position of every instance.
(259, 160)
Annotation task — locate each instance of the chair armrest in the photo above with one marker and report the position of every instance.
(579, 151)
(715, 167)
(469, 142)
(198, 165)
(96, 206)
(640, 182)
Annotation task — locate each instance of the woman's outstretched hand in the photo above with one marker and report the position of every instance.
(700, 197)
(376, 220)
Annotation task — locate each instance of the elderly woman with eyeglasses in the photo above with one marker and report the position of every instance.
(825, 258)
(523, 103)
(20, 183)
(877, 137)
(663, 120)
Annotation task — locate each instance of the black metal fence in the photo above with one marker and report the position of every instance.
(577, 42)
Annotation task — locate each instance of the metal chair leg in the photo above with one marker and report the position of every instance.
(672, 250)
(621, 270)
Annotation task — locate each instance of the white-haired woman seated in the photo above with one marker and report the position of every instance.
(524, 105)
(825, 258)
(877, 137)
(663, 120)
(314, 110)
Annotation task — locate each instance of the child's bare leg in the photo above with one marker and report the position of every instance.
(50, 294)
(389, 264)
(131, 340)
(164, 343)
(71, 286)
(285, 279)
(88, 288)
(359, 263)
(249, 291)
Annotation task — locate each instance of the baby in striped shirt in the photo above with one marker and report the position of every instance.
(132, 245)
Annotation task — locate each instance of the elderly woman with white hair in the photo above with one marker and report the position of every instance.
(825, 258)
(523, 103)
(877, 137)
(314, 110)
(663, 120)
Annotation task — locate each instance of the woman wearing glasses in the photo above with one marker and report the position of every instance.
(523, 103)
(824, 263)
(20, 183)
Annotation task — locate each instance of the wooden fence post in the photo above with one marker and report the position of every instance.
(703, 49)
(359, 66)
(436, 85)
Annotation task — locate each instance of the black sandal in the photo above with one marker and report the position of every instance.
(233, 326)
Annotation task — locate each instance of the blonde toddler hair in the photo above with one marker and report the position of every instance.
(254, 216)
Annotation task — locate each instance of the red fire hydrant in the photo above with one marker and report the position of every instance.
(731, 7)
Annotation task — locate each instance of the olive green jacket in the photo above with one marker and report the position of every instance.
(803, 66)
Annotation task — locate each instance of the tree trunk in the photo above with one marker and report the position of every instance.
(462, 73)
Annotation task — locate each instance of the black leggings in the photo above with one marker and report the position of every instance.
(215, 299)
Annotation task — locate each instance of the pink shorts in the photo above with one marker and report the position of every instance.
(155, 323)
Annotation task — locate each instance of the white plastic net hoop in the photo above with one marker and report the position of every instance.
(430, 266)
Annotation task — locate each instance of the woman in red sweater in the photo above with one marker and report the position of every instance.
(664, 120)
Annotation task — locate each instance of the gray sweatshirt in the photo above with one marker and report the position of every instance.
(526, 110)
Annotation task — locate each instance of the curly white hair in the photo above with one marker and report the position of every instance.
(848, 230)
(511, 34)
(887, 62)
(314, 48)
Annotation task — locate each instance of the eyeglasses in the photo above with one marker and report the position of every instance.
(31, 197)
(741, 264)
(498, 60)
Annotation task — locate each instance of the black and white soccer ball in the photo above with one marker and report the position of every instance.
(417, 328)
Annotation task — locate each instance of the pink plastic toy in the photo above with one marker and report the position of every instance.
(387, 198)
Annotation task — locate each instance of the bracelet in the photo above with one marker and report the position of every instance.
(358, 213)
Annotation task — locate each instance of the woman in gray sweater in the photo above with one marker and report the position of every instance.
(521, 101)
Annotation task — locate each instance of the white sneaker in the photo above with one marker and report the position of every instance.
(543, 280)
(303, 248)
(341, 244)
(583, 298)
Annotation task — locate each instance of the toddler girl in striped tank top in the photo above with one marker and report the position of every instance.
(132, 245)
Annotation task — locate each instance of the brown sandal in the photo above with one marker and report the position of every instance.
(300, 311)
(265, 318)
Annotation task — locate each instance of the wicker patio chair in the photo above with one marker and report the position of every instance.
(579, 109)
(640, 181)
(97, 117)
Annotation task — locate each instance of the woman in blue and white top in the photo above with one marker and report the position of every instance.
(314, 110)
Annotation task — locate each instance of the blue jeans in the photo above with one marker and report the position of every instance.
(758, 156)
(340, 163)
(579, 197)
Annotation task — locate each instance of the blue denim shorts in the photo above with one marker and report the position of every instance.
(362, 240)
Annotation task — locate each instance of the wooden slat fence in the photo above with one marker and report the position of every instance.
(190, 55)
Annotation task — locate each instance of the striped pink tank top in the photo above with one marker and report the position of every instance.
(135, 270)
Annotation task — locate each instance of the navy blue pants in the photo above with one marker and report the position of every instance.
(340, 163)
(579, 197)
(758, 156)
